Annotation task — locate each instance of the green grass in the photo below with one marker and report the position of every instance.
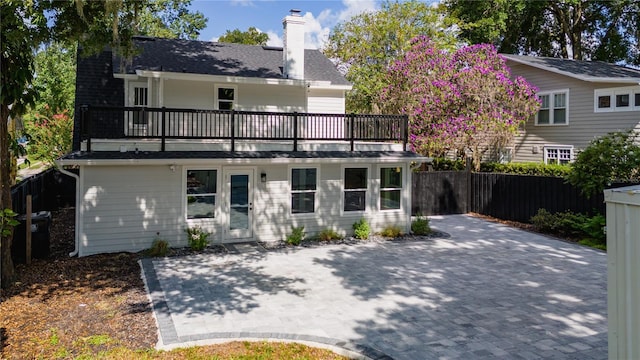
(593, 243)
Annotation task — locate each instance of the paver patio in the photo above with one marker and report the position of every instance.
(488, 291)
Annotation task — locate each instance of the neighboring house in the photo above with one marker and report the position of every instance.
(580, 100)
(243, 141)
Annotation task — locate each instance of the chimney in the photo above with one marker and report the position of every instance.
(293, 47)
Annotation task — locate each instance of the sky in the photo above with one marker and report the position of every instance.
(266, 16)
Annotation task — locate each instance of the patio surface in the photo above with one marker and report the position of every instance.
(489, 291)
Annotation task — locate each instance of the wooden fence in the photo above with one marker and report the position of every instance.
(504, 196)
(49, 190)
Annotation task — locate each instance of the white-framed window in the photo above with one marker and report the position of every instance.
(625, 98)
(554, 108)
(558, 154)
(304, 186)
(201, 193)
(355, 189)
(226, 97)
(138, 97)
(391, 186)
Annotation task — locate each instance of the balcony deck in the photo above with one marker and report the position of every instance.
(164, 129)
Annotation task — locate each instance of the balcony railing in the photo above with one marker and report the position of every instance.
(164, 123)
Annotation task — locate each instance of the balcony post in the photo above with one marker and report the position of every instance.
(86, 121)
(295, 131)
(163, 146)
(352, 119)
(405, 131)
(233, 130)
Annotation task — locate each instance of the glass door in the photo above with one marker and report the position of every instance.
(240, 186)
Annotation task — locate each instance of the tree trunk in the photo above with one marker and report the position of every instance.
(7, 270)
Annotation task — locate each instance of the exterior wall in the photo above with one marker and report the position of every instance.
(325, 101)
(584, 123)
(123, 208)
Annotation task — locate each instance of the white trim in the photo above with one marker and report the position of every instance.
(368, 191)
(219, 78)
(125, 76)
(234, 102)
(403, 188)
(612, 93)
(316, 191)
(551, 94)
(545, 148)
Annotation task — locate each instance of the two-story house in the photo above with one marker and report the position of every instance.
(243, 141)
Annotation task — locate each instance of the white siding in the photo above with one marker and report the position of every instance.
(123, 208)
(277, 98)
(584, 124)
(325, 101)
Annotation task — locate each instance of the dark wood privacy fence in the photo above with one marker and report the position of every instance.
(49, 190)
(166, 123)
(504, 196)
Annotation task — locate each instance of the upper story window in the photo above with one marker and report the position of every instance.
(225, 97)
(355, 189)
(554, 108)
(303, 190)
(617, 99)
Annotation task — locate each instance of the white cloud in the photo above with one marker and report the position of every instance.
(215, 39)
(355, 7)
(274, 39)
(242, 2)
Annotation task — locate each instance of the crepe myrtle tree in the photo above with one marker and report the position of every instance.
(459, 100)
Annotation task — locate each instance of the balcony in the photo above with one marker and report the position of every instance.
(163, 129)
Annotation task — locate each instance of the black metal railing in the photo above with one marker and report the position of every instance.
(164, 123)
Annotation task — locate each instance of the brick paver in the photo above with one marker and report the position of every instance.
(488, 291)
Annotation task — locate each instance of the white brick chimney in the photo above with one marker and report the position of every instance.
(293, 46)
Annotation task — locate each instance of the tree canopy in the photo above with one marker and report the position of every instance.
(366, 44)
(250, 37)
(579, 29)
(458, 100)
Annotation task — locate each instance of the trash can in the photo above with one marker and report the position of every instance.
(40, 237)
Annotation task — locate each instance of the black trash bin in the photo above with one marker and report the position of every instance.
(40, 237)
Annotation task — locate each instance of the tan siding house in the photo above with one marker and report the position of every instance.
(581, 100)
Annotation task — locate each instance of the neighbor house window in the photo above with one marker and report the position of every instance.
(355, 189)
(617, 99)
(390, 188)
(553, 108)
(558, 155)
(201, 193)
(304, 183)
(225, 97)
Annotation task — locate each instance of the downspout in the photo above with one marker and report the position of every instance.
(77, 217)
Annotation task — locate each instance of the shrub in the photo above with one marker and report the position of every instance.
(361, 229)
(593, 228)
(197, 237)
(159, 247)
(296, 236)
(392, 231)
(590, 230)
(420, 226)
(530, 168)
(328, 235)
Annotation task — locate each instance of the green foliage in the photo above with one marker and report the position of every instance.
(420, 226)
(444, 164)
(593, 243)
(250, 37)
(571, 225)
(532, 168)
(51, 136)
(612, 157)
(170, 19)
(197, 237)
(392, 231)
(361, 229)
(7, 222)
(159, 247)
(367, 43)
(328, 235)
(296, 236)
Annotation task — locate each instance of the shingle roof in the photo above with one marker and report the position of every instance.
(211, 58)
(592, 71)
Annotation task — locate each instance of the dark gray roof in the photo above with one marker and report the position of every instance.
(594, 71)
(152, 155)
(211, 58)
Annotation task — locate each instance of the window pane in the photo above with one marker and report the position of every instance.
(622, 100)
(354, 200)
(559, 116)
(391, 177)
(604, 102)
(239, 218)
(637, 96)
(199, 207)
(225, 105)
(239, 190)
(303, 202)
(355, 178)
(201, 181)
(544, 101)
(559, 100)
(303, 179)
(543, 117)
(389, 199)
(225, 94)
